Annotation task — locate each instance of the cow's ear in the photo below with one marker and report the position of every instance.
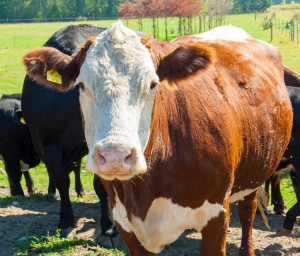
(184, 61)
(50, 67)
(53, 68)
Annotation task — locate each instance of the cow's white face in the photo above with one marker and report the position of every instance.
(117, 83)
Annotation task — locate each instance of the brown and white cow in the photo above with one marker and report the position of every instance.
(178, 129)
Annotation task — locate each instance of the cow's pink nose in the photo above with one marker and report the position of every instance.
(114, 160)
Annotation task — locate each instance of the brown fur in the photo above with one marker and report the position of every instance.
(223, 130)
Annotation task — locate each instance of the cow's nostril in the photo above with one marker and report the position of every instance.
(128, 160)
(102, 159)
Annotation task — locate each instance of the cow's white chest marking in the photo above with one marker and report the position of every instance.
(165, 221)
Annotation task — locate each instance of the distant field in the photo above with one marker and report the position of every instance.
(16, 39)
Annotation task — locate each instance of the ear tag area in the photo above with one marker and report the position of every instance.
(22, 120)
(54, 76)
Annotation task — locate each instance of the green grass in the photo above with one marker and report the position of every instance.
(41, 179)
(55, 245)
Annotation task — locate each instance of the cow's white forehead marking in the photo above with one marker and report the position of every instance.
(117, 58)
(240, 195)
(118, 71)
(165, 221)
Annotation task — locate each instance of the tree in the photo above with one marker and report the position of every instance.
(128, 9)
(216, 11)
(246, 6)
(183, 9)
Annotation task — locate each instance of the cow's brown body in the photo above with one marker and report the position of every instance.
(217, 134)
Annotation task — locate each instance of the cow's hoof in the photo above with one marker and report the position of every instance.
(284, 232)
(112, 232)
(67, 233)
(30, 191)
(80, 194)
(109, 242)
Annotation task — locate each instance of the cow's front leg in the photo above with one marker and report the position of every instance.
(14, 174)
(247, 210)
(214, 234)
(78, 184)
(29, 182)
(67, 218)
(108, 227)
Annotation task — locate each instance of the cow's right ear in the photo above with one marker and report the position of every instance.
(50, 67)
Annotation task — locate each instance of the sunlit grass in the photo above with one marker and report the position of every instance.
(55, 245)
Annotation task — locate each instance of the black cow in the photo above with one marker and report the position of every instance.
(54, 121)
(16, 149)
(27, 176)
(292, 154)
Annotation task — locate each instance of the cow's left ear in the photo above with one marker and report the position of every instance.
(49, 66)
(54, 69)
(184, 61)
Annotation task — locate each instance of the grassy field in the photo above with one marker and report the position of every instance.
(16, 39)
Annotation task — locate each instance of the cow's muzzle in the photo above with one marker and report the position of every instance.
(116, 162)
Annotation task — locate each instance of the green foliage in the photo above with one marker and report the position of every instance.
(247, 6)
(55, 245)
(18, 10)
(266, 24)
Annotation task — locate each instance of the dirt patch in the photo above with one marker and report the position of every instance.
(40, 217)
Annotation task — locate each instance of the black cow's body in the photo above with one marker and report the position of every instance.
(54, 121)
(291, 156)
(16, 149)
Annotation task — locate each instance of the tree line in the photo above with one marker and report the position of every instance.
(58, 9)
(44, 10)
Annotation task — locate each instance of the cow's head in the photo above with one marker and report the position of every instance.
(117, 79)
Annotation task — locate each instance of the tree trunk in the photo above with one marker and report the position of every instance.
(154, 27)
(200, 24)
(157, 28)
(166, 28)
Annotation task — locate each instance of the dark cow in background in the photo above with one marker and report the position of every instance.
(54, 121)
(178, 129)
(30, 152)
(16, 149)
(291, 159)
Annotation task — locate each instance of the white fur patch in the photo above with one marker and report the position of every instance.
(117, 103)
(240, 195)
(165, 221)
(228, 32)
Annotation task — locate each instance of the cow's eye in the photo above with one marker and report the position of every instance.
(153, 84)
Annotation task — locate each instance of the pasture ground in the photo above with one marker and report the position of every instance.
(29, 218)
